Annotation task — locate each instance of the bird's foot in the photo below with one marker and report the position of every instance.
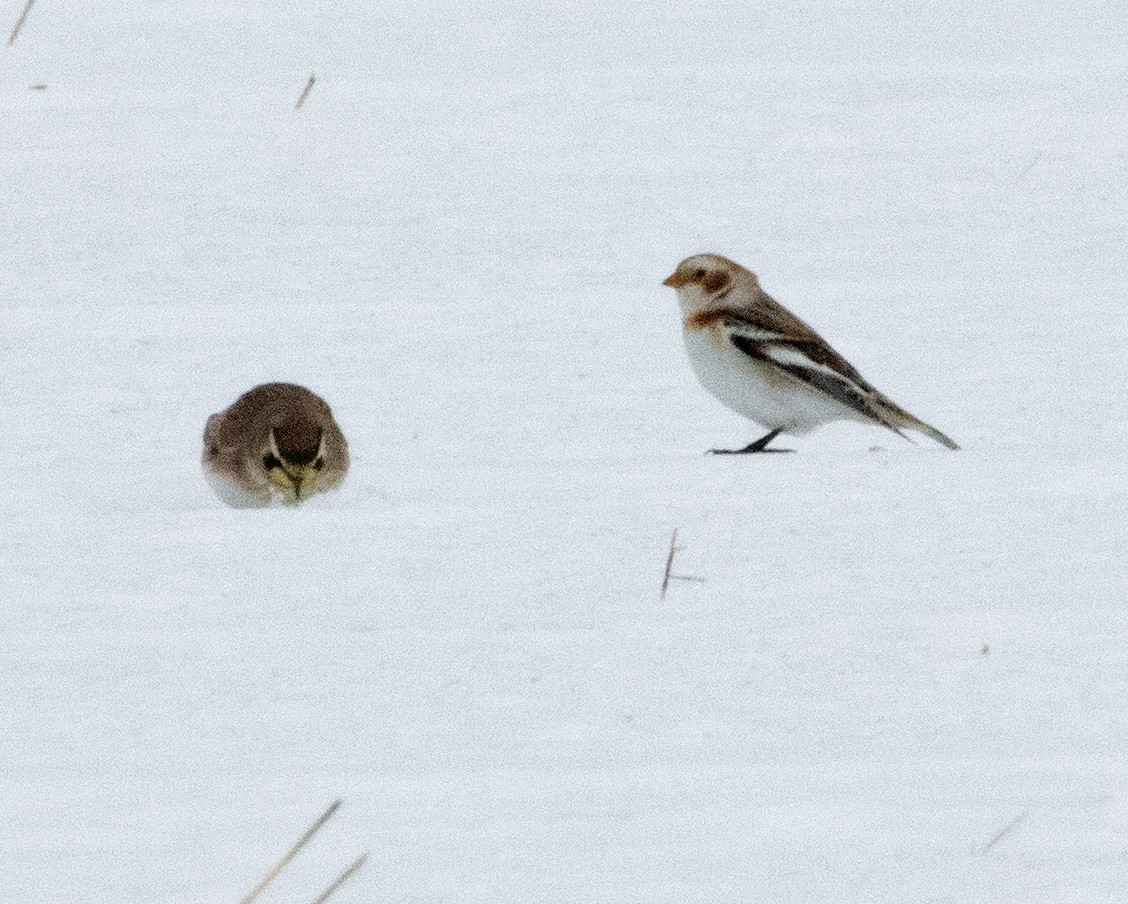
(761, 445)
(747, 450)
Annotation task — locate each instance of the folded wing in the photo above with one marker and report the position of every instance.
(815, 365)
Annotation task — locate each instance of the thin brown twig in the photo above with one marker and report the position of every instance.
(19, 23)
(669, 563)
(305, 92)
(1004, 832)
(290, 854)
(340, 880)
(669, 573)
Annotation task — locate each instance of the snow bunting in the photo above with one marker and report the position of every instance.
(277, 440)
(763, 362)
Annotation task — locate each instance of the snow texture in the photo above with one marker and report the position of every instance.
(459, 241)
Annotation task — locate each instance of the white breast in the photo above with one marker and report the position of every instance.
(760, 392)
(232, 493)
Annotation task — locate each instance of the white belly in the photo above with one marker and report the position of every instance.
(760, 392)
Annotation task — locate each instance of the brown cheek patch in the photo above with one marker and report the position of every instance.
(715, 281)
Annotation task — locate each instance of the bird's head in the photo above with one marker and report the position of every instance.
(294, 459)
(706, 279)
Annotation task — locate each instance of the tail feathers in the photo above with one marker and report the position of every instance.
(897, 419)
(932, 433)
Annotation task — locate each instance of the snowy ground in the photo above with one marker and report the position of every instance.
(459, 241)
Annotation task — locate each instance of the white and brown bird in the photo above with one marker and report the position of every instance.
(765, 363)
(277, 441)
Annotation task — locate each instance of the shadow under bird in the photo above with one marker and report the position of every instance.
(765, 363)
(278, 441)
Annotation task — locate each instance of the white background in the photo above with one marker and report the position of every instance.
(459, 241)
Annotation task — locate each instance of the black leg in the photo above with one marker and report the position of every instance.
(761, 445)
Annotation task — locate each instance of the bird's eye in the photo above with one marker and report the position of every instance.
(698, 276)
(270, 462)
(319, 464)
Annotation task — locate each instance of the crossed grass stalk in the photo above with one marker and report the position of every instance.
(341, 878)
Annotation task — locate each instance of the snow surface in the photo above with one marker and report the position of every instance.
(897, 651)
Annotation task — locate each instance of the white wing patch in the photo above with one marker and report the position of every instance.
(776, 347)
(786, 355)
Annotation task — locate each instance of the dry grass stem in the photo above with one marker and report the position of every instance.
(669, 563)
(19, 23)
(305, 92)
(341, 879)
(290, 854)
(1004, 832)
(669, 575)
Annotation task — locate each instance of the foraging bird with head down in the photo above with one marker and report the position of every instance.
(278, 441)
(765, 363)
